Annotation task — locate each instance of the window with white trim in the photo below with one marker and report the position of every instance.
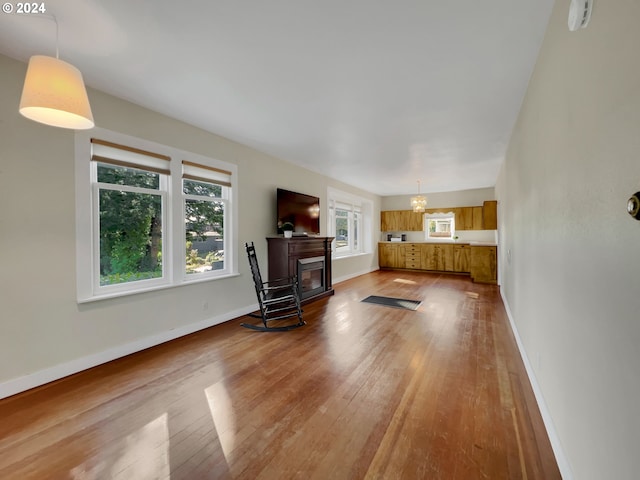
(349, 222)
(440, 226)
(129, 204)
(149, 216)
(205, 192)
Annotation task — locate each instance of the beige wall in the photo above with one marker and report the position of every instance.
(43, 331)
(572, 280)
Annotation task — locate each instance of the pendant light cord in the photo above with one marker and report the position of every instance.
(57, 37)
(55, 20)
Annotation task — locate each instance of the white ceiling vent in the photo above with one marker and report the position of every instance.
(579, 14)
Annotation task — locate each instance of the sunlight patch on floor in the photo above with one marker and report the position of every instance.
(223, 416)
(343, 322)
(143, 455)
(406, 282)
(344, 334)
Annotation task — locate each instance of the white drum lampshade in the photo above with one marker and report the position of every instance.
(54, 94)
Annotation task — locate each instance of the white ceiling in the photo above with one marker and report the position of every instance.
(376, 93)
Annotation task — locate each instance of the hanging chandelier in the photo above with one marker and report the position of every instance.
(419, 202)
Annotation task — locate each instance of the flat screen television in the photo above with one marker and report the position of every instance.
(303, 211)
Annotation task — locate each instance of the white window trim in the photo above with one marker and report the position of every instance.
(173, 222)
(366, 212)
(429, 216)
(120, 288)
(228, 242)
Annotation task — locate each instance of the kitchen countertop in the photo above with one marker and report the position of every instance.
(472, 243)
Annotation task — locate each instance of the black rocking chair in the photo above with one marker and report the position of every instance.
(278, 299)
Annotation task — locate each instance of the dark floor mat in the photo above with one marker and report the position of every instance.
(393, 302)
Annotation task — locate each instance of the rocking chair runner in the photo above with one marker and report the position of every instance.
(278, 299)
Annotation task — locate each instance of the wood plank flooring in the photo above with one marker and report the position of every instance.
(361, 392)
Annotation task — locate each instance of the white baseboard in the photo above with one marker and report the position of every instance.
(21, 384)
(561, 459)
(353, 275)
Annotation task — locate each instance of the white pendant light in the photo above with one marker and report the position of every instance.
(419, 202)
(54, 94)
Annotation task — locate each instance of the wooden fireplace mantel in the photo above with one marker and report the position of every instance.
(284, 253)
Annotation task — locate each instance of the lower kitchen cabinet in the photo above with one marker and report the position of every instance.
(461, 258)
(484, 264)
(388, 255)
(480, 261)
(436, 256)
(412, 256)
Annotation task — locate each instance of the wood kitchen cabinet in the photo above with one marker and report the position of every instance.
(411, 221)
(490, 215)
(428, 256)
(401, 221)
(391, 255)
(460, 225)
(389, 221)
(484, 264)
(416, 221)
(412, 258)
(461, 258)
(387, 255)
(435, 256)
(399, 255)
(480, 261)
(467, 218)
(464, 218)
(477, 219)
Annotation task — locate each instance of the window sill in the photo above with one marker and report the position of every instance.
(190, 281)
(107, 296)
(350, 255)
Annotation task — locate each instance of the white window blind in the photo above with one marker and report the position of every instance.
(130, 157)
(203, 173)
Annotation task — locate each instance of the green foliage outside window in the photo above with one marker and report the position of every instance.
(130, 234)
(131, 225)
(203, 219)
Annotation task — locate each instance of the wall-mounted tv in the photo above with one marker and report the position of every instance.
(303, 211)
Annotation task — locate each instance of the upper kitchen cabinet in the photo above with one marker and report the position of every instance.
(477, 218)
(401, 221)
(490, 215)
(483, 217)
(464, 218)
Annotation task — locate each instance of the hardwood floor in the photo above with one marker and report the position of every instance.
(361, 392)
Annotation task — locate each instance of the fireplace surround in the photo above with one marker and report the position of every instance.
(307, 257)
